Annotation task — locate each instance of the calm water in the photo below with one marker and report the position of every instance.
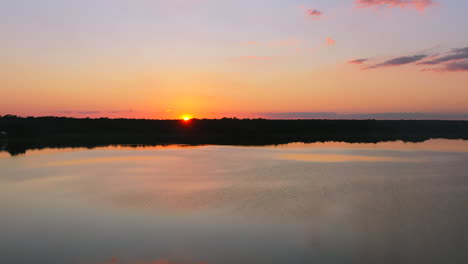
(316, 203)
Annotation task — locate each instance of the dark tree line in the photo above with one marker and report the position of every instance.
(42, 132)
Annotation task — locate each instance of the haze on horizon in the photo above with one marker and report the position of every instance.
(207, 58)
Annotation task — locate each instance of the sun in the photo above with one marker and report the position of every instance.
(186, 118)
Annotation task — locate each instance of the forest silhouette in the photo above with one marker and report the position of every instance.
(24, 133)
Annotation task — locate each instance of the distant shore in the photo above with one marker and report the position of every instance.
(22, 134)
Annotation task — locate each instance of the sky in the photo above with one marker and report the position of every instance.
(212, 58)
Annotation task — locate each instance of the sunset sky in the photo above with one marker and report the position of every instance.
(244, 58)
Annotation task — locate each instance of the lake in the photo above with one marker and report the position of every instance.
(323, 203)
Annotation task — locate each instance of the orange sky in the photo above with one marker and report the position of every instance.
(120, 59)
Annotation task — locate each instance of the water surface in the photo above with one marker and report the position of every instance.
(300, 203)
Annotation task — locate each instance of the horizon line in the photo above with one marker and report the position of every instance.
(285, 117)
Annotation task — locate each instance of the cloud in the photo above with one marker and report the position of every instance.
(330, 41)
(398, 61)
(314, 14)
(454, 60)
(457, 66)
(417, 4)
(358, 61)
(454, 55)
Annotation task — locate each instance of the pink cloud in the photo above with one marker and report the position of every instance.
(314, 13)
(417, 4)
(330, 41)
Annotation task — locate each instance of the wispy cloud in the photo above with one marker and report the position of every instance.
(454, 55)
(417, 4)
(454, 60)
(398, 61)
(358, 61)
(330, 41)
(457, 66)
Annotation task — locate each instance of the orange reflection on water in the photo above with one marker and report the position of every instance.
(104, 160)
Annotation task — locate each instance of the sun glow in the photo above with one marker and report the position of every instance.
(186, 118)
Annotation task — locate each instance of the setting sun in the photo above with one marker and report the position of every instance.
(186, 118)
